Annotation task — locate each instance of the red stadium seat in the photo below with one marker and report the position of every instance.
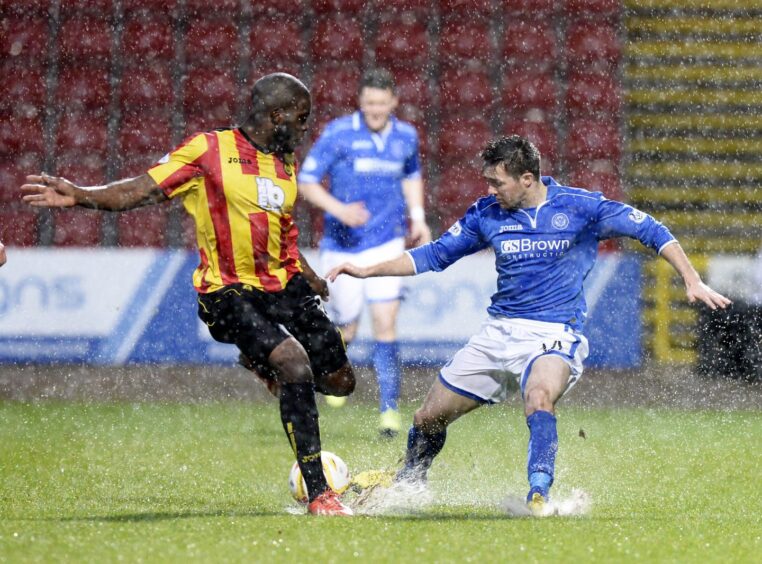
(462, 139)
(277, 40)
(335, 87)
(147, 39)
(100, 7)
(592, 45)
(25, 8)
(83, 88)
(19, 134)
(592, 94)
(22, 90)
(270, 8)
(464, 90)
(412, 88)
(86, 39)
(200, 121)
(84, 169)
(589, 139)
(23, 38)
(18, 226)
(145, 227)
(82, 132)
(212, 41)
(599, 176)
(227, 9)
(145, 136)
(393, 8)
(542, 134)
(338, 6)
(146, 87)
(12, 176)
(338, 39)
(149, 8)
(458, 188)
(534, 10)
(76, 228)
(465, 7)
(211, 90)
(402, 42)
(530, 46)
(262, 67)
(593, 9)
(531, 91)
(465, 39)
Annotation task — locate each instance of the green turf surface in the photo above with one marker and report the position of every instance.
(148, 482)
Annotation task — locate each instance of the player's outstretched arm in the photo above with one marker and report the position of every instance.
(400, 266)
(3, 257)
(55, 192)
(695, 289)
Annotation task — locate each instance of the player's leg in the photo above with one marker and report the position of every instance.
(427, 435)
(386, 362)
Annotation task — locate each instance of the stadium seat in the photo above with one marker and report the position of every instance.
(592, 139)
(12, 175)
(144, 40)
(335, 87)
(592, 94)
(597, 176)
(137, 164)
(145, 227)
(277, 40)
(201, 121)
(338, 6)
(402, 42)
(212, 41)
(594, 46)
(542, 134)
(468, 8)
(25, 8)
(395, 8)
(465, 90)
(20, 134)
(211, 89)
(149, 136)
(412, 88)
(86, 40)
(22, 90)
(525, 92)
(82, 132)
(76, 227)
(462, 139)
(464, 39)
(529, 46)
(593, 9)
(223, 10)
(148, 8)
(18, 226)
(146, 87)
(99, 7)
(260, 67)
(84, 169)
(271, 8)
(24, 39)
(534, 10)
(458, 188)
(83, 88)
(337, 39)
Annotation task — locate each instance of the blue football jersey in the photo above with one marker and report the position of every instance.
(542, 254)
(364, 166)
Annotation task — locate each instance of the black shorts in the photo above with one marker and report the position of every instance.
(257, 322)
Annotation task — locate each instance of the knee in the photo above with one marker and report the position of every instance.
(537, 399)
(292, 363)
(428, 422)
(339, 383)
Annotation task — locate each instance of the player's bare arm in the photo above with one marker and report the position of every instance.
(3, 256)
(352, 214)
(695, 289)
(56, 192)
(400, 266)
(420, 232)
(316, 282)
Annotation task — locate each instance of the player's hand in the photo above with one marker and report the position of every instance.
(420, 233)
(703, 293)
(346, 268)
(3, 256)
(49, 191)
(354, 214)
(319, 286)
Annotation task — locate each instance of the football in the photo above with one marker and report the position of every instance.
(336, 474)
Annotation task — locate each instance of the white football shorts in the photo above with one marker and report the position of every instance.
(499, 358)
(348, 295)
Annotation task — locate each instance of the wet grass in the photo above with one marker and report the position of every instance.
(208, 482)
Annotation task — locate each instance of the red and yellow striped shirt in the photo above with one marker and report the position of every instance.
(241, 200)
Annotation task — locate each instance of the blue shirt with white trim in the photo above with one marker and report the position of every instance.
(542, 254)
(364, 166)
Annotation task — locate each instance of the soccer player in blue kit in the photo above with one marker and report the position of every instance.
(371, 160)
(545, 239)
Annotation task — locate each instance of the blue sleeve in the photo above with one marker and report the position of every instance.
(412, 168)
(616, 219)
(462, 239)
(320, 159)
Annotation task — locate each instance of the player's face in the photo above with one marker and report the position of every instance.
(377, 105)
(511, 192)
(291, 126)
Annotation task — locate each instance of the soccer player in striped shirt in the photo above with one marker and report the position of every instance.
(239, 185)
(545, 239)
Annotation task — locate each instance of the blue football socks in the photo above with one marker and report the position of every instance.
(421, 450)
(386, 361)
(543, 445)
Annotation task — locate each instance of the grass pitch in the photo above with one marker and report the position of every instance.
(208, 482)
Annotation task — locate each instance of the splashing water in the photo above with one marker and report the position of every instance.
(577, 504)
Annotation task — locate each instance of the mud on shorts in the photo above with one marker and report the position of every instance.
(257, 322)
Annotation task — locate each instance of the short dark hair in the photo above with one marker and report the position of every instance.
(377, 78)
(517, 154)
(276, 90)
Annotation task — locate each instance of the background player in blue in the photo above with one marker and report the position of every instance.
(545, 239)
(371, 160)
